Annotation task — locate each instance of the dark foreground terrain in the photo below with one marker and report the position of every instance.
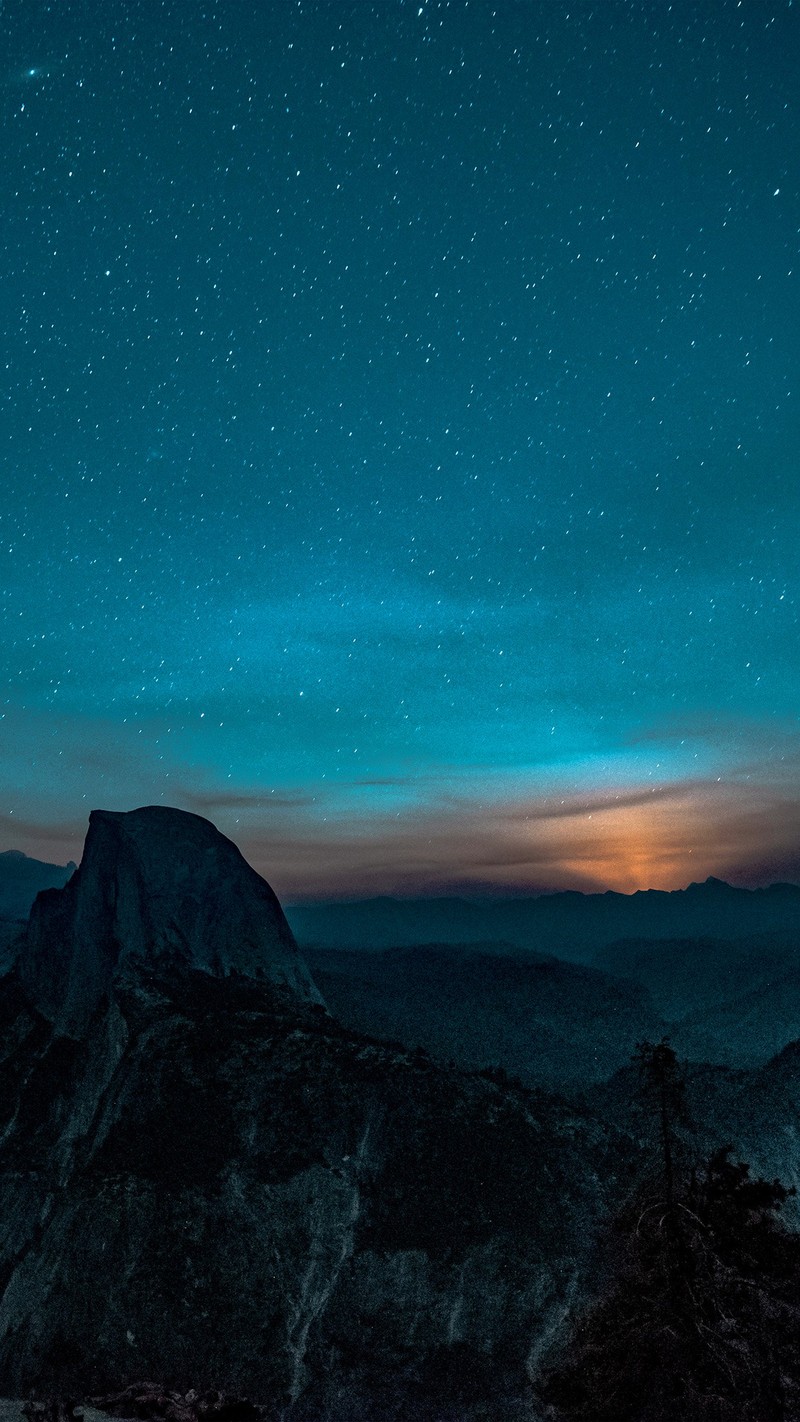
(410, 1185)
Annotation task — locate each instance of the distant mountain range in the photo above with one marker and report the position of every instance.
(567, 1025)
(549, 1023)
(553, 989)
(21, 879)
(570, 925)
(735, 1001)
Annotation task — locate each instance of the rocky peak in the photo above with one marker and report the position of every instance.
(156, 887)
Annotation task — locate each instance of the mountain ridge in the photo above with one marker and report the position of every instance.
(22, 878)
(156, 887)
(569, 924)
(211, 1181)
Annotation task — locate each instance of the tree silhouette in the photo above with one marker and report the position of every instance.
(663, 1087)
(701, 1319)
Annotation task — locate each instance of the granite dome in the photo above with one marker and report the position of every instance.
(160, 887)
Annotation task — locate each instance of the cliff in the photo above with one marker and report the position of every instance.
(156, 888)
(207, 1180)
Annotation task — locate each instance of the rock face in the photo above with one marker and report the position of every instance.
(156, 887)
(212, 1190)
(207, 1181)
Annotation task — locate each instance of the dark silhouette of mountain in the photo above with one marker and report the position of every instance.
(211, 1178)
(734, 1002)
(690, 975)
(21, 879)
(549, 1022)
(207, 1180)
(749, 1029)
(567, 1025)
(570, 925)
(156, 888)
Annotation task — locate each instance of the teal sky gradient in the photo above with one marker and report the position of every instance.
(400, 435)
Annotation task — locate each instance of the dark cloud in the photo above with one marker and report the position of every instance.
(213, 802)
(664, 838)
(578, 806)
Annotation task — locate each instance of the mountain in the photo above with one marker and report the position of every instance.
(760, 1111)
(156, 888)
(728, 1001)
(548, 1022)
(747, 1030)
(569, 925)
(21, 879)
(207, 1180)
(689, 975)
(756, 1110)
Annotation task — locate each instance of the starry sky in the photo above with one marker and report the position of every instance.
(400, 435)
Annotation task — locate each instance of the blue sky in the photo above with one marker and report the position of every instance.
(400, 436)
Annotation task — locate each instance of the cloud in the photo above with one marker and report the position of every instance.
(627, 840)
(211, 801)
(53, 842)
(438, 828)
(746, 743)
(584, 806)
(378, 781)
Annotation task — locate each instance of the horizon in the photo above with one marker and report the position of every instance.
(465, 891)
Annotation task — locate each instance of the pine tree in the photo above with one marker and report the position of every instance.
(701, 1319)
(663, 1088)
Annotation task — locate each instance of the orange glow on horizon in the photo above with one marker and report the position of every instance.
(633, 848)
(628, 839)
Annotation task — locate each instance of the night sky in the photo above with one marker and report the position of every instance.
(400, 432)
